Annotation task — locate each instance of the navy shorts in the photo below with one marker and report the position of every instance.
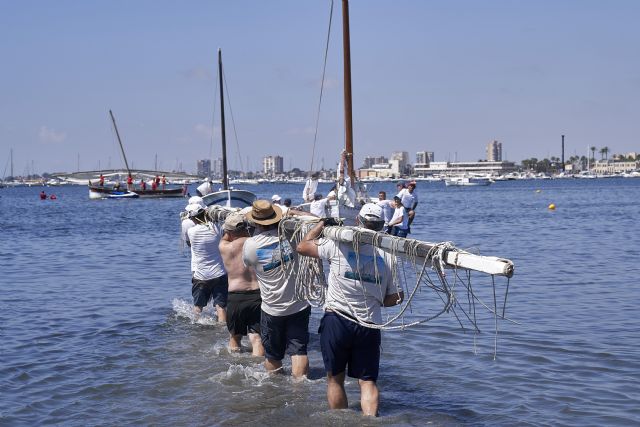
(243, 312)
(344, 342)
(205, 290)
(282, 334)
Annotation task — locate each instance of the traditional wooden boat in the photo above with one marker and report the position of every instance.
(103, 192)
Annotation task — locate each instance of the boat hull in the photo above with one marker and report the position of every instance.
(109, 193)
(230, 198)
(467, 182)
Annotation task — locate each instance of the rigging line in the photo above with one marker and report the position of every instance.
(324, 69)
(213, 118)
(233, 122)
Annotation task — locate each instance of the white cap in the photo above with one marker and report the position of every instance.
(371, 212)
(194, 209)
(194, 199)
(275, 198)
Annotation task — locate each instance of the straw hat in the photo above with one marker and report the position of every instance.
(264, 213)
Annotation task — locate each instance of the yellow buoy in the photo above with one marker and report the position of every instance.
(552, 206)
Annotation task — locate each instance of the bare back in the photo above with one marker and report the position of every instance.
(240, 278)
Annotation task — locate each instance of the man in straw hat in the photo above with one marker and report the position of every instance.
(284, 325)
(243, 305)
(209, 278)
(359, 284)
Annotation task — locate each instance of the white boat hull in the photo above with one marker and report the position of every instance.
(230, 198)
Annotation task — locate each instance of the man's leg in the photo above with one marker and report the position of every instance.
(235, 342)
(369, 397)
(336, 395)
(256, 344)
(273, 365)
(222, 314)
(299, 365)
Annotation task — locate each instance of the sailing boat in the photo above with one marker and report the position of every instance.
(226, 196)
(102, 192)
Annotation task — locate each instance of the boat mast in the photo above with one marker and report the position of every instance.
(346, 46)
(113, 119)
(225, 177)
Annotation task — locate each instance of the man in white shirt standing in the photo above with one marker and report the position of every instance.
(359, 284)
(409, 199)
(284, 325)
(399, 223)
(209, 279)
(388, 206)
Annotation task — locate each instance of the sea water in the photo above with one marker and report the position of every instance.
(96, 325)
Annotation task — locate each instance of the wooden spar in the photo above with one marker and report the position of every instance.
(113, 120)
(453, 258)
(348, 123)
(225, 177)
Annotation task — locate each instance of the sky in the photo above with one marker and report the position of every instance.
(447, 76)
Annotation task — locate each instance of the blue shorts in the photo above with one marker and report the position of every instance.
(205, 290)
(282, 334)
(400, 232)
(344, 342)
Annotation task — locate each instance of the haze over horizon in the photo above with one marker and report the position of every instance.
(441, 76)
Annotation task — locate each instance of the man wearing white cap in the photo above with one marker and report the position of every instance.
(186, 222)
(284, 324)
(359, 284)
(209, 277)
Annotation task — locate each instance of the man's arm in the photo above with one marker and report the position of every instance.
(307, 247)
(393, 299)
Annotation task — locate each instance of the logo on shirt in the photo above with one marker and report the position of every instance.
(367, 267)
(273, 255)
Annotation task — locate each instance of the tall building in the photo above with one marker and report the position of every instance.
(272, 165)
(216, 169)
(369, 161)
(424, 157)
(494, 151)
(204, 168)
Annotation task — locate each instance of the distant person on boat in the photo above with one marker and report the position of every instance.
(359, 284)
(101, 181)
(409, 199)
(143, 185)
(154, 185)
(205, 188)
(346, 193)
(287, 203)
(129, 182)
(284, 325)
(399, 223)
(388, 207)
(319, 205)
(310, 187)
(116, 186)
(43, 195)
(276, 199)
(209, 279)
(243, 304)
(164, 181)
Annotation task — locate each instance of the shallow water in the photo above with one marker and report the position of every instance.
(96, 328)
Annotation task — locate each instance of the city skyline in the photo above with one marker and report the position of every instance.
(438, 76)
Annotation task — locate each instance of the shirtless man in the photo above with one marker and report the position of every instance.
(243, 303)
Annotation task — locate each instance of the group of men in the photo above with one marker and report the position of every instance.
(400, 211)
(250, 277)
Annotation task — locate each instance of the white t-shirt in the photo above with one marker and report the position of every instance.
(273, 261)
(185, 225)
(409, 200)
(358, 283)
(319, 207)
(205, 188)
(401, 212)
(206, 262)
(310, 188)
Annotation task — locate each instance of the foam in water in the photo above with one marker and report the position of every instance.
(184, 309)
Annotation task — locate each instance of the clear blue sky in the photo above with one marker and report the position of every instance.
(446, 76)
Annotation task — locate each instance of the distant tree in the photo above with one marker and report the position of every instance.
(593, 153)
(605, 151)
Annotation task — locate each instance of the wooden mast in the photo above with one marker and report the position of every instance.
(225, 177)
(346, 46)
(113, 120)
